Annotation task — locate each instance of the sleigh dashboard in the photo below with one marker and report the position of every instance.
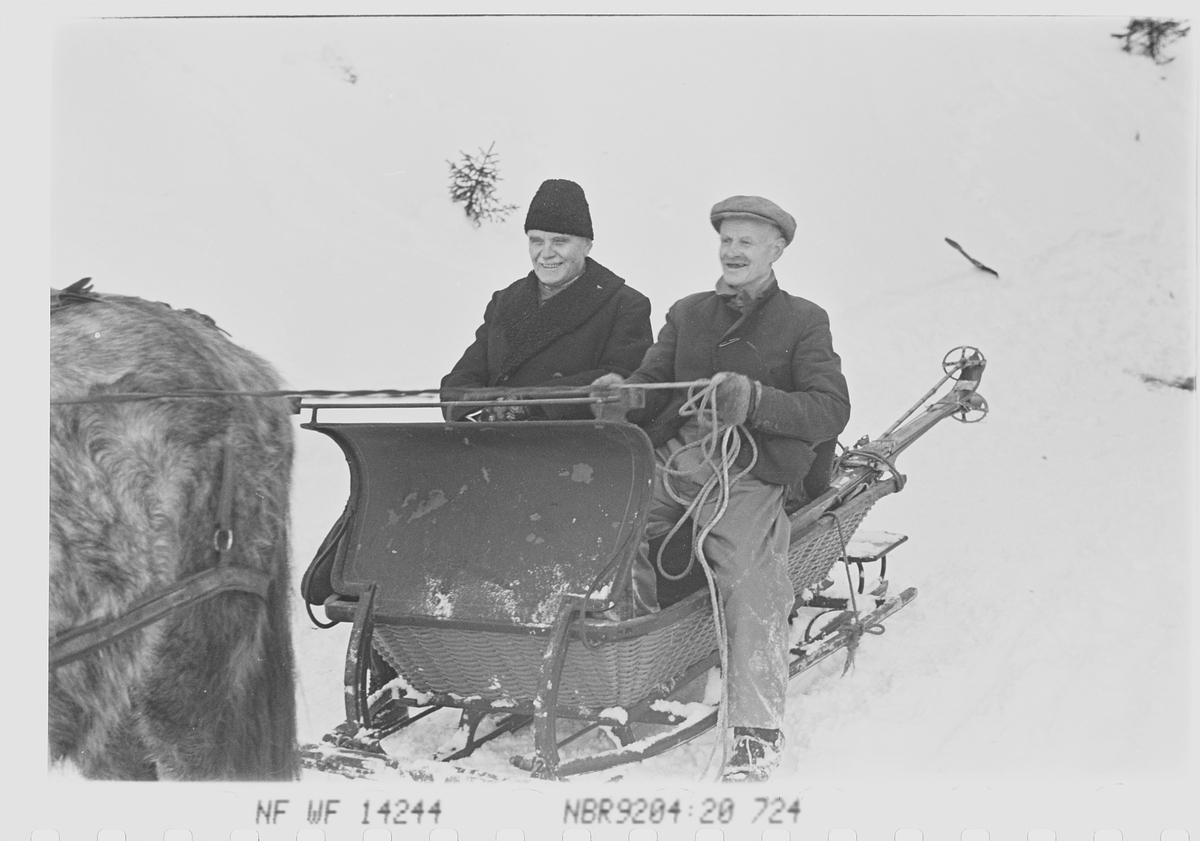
(486, 526)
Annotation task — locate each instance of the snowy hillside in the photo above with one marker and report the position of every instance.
(289, 178)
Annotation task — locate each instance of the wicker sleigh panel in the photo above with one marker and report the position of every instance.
(505, 666)
(814, 553)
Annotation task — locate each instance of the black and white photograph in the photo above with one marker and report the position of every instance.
(707, 421)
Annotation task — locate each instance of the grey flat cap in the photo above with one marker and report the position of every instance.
(754, 207)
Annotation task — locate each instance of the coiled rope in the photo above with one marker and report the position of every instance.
(719, 447)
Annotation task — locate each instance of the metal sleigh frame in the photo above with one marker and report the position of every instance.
(470, 555)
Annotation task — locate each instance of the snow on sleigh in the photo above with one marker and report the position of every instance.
(473, 560)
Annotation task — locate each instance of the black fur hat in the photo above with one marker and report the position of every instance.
(559, 207)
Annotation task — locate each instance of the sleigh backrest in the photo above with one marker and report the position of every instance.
(486, 524)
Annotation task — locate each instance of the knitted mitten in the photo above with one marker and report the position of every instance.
(733, 396)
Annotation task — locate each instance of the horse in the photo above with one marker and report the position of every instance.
(170, 638)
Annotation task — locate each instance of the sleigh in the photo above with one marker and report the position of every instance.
(475, 562)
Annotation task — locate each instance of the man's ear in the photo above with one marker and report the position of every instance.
(777, 248)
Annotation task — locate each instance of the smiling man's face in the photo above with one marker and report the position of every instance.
(748, 250)
(557, 258)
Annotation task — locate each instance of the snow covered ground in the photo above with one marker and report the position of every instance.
(289, 178)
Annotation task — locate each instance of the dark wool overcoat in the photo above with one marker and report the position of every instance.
(783, 342)
(597, 325)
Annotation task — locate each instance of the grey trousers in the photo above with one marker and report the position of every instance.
(747, 550)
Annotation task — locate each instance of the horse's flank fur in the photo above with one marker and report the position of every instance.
(207, 692)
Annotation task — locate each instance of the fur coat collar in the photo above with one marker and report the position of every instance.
(530, 325)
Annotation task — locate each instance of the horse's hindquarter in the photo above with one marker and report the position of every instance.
(134, 505)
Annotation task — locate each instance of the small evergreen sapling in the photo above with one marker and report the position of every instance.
(473, 184)
(1150, 36)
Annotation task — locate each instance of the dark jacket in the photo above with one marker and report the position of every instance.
(595, 326)
(783, 342)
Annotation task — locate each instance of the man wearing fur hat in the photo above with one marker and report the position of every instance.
(778, 380)
(567, 322)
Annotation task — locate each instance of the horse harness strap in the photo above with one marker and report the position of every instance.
(197, 588)
(223, 536)
(223, 578)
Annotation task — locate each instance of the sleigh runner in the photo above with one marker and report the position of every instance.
(473, 560)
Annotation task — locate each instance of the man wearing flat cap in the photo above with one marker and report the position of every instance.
(780, 382)
(567, 322)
